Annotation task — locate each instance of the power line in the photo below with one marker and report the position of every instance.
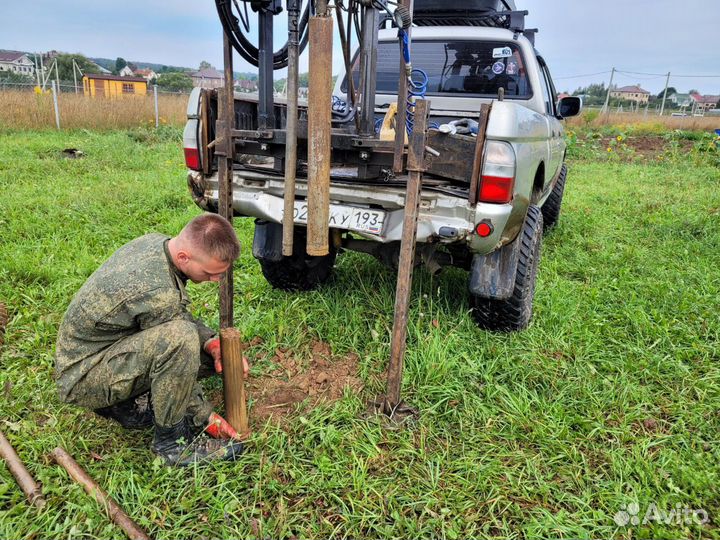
(579, 76)
(664, 74)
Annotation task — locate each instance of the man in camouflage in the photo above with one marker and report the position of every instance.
(129, 349)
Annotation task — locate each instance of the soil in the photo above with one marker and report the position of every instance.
(297, 383)
(647, 147)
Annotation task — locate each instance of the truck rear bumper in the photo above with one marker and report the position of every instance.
(443, 218)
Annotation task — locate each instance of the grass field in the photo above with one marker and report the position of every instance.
(611, 398)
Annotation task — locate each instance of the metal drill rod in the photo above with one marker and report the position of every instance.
(291, 127)
(416, 158)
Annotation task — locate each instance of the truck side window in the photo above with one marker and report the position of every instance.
(547, 96)
(551, 89)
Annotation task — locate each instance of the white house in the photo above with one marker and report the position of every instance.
(17, 62)
(147, 74)
(126, 72)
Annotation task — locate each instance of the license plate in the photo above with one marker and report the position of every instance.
(346, 217)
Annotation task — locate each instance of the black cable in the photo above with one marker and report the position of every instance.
(247, 50)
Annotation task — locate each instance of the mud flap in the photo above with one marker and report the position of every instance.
(493, 275)
(267, 242)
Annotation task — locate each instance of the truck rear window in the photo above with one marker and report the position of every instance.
(477, 68)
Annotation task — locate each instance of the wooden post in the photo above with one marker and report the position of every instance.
(26, 482)
(116, 514)
(319, 134)
(234, 380)
(416, 164)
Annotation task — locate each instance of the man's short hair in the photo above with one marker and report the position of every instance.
(214, 235)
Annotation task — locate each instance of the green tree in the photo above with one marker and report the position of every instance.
(15, 78)
(205, 65)
(65, 66)
(671, 91)
(119, 64)
(175, 82)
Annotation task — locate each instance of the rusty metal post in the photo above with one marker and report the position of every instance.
(293, 8)
(234, 380)
(319, 131)
(113, 509)
(401, 114)
(27, 483)
(479, 149)
(416, 165)
(226, 152)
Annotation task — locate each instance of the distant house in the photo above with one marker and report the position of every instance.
(147, 74)
(207, 78)
(705, 103)
(246, 85)
(126, 72)
(631, 93)
(681, 100)
(111, 86)
(17, 62)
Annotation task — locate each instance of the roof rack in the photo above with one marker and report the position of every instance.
(512, 20)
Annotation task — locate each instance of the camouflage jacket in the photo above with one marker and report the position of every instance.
(138, 287)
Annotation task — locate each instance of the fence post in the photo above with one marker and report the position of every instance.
(157, 113)
(55, 102)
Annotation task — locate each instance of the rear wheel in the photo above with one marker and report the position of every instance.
(551, 207)
(299, 272)
(515, 312)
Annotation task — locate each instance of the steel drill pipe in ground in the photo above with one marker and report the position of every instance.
(17, 469)
(116, 514)
(319, 134)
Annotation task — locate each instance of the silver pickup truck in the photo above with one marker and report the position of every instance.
(494, 233)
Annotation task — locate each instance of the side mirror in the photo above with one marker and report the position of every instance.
(569, 106)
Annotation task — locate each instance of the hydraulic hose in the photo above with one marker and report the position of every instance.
(247, 50)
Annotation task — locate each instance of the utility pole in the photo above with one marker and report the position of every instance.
(667, 83)
(37, 70)
(606, 107)
(42, 72)
(75, 66)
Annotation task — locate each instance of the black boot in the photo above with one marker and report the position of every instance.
(177, 446)
(133, 413)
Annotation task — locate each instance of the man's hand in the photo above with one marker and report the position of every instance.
(213, 349)
(218, 428)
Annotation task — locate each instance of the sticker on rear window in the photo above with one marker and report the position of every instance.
(512, 68)
(502, 52)
(498, 67)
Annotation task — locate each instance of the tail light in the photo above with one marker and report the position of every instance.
(498, 175)
(192, 158)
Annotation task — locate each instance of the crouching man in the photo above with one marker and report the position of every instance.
(129, 349)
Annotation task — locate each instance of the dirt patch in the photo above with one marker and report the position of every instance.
(645, 147)
(297, 383)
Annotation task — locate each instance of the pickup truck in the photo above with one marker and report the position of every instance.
(495, 234)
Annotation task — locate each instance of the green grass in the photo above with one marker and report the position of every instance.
(611, 397)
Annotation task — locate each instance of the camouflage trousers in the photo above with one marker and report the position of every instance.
(166, 360)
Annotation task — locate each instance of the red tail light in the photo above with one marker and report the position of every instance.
(192, 158)
(496, 189)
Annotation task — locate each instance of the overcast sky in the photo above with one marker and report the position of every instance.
(577, 37)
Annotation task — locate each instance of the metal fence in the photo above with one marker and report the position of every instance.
(66, 89)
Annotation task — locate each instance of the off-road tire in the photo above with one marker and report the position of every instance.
(514, 313)
(551, 207)
(299, 272)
